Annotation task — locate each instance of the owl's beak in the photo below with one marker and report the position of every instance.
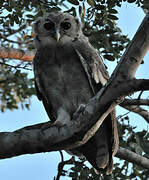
(57, 35)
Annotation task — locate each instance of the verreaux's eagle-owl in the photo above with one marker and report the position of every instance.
(68, 72)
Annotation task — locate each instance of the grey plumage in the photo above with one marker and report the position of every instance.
(68, 72)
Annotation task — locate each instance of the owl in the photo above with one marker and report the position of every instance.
(68, 72)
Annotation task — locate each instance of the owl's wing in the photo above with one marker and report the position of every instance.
(97, 74)
(95, 70)
(92, 58)
(38, 87)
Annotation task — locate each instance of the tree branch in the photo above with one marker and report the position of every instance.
(35, 139)
(134, 106)
(136, 109)
(137, 102)
(133, 157)
(61, 166)
(14, 31)
(12, 53)
(9, 40)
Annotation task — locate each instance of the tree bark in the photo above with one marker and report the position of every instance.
(36, 138)
(137, 102)
(133, 157)
(12, 53)
(136, 109)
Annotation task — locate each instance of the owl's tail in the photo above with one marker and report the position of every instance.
(99, 149)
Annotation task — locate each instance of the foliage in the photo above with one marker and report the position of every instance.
(99, 18)
(15, 87)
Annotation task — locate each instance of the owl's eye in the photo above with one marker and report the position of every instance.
(65, 25)
(49, 25)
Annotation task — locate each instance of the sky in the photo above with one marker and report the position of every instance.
(43, 166)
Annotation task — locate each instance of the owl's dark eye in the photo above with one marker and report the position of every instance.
(49, 25)
(65, 25)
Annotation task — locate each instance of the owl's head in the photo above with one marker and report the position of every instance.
(56, 28)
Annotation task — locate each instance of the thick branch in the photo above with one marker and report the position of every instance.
(12, 53)
(135, 52)
(133, 157)
(137, 102)
(35, 139)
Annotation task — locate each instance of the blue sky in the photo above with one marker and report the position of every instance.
(44, 165)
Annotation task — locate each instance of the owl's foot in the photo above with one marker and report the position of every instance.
(78, 111)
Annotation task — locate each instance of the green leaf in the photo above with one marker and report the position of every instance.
(80, 11)
(98, 16)
(30, 16)
(121, 47)
(8, 8)
(109, 57)
(113, 11)
(73, 174)
(142, 61)
(27, 106)
(100, 7)
(113, 17)
(91, 2)
(131, 1)
(111, 4)
(75, 2)
(16, 19)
